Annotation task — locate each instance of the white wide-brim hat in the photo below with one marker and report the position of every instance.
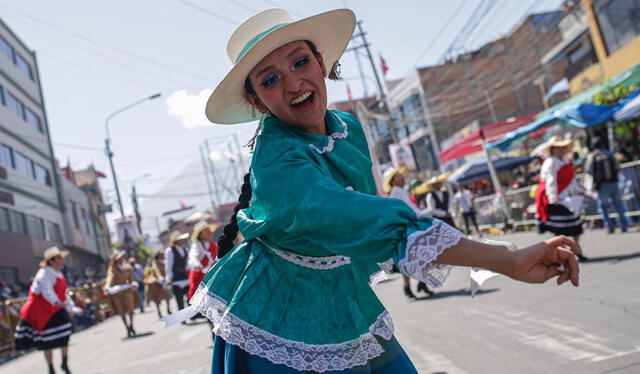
(260, 35)
(52, 252)
(557, 141)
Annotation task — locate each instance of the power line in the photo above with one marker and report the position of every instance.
(97, 42)
(241, 5)
(440, 32)
(207, 11)
(83, 48)
(280, 6)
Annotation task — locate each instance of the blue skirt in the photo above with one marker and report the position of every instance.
(229, 359)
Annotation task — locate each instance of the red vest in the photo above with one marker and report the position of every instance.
(37, 311)
(565, 176)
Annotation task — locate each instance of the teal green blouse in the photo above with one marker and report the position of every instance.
(297, 290)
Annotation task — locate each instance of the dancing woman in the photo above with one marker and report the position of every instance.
(45, 318)
(294, 295)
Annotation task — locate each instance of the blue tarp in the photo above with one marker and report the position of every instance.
(478, 168)
(629, 111)
(580, 115)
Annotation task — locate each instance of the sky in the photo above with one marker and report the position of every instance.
(96, 57)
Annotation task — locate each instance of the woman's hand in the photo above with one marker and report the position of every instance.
(540, 262)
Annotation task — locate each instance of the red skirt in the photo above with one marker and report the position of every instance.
(195, 277)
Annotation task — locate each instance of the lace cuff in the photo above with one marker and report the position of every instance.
(424, 247)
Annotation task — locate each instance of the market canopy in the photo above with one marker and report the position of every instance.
(478, 169)
(493, 132)
(578, 110)
(629, 111)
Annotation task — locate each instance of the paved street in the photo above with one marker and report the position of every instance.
(508, 328)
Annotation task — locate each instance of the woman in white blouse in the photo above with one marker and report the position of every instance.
(45, 318)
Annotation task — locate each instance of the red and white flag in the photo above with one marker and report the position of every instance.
(383, 65)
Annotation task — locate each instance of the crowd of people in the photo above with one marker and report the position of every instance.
(51, 312)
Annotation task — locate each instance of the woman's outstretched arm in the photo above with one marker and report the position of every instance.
(534, 264)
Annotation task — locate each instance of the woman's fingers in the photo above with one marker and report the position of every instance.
(570, 263)
(564, 241)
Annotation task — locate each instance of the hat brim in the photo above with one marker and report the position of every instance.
(330, 32)
(183, 236)
(559, 144)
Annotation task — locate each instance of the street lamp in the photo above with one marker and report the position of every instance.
(134, 200)
(107, 142)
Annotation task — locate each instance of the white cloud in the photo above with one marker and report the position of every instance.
(189, 108)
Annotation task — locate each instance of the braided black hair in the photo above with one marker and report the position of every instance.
(230, 231)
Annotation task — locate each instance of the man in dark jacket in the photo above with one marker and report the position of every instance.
(603, 168)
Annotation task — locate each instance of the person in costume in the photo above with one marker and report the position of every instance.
(439, 201)
(202, 255)
(156, 284)
(464, 203)
(121, 287)
(175, 266)
(559, 197)
(138, 277)
(45, 318)
(393, 184)
(294, 296)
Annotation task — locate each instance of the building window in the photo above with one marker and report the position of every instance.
(35, 227)
(2, 96)
(42, 174)
(6, 156)
(14, 104)
(23, 164)
(17, 223)
(52, 232)
(5, 224)
(74, 214)
(6, 49)
(23, 65)
(619, 21)
(32, 119)
(83, 213)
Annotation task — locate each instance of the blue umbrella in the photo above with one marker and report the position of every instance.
(478, 169)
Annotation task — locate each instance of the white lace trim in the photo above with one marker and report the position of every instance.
(332, 137)
(297, 355)
(423, 247)
(383, 274)
(318, 263)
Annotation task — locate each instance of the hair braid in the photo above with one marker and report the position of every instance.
(230, 231)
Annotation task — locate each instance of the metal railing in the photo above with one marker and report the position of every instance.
(521, 205)
(10, 313)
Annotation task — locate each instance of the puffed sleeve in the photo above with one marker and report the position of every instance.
(294, 198)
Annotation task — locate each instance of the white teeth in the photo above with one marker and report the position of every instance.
(301, 98)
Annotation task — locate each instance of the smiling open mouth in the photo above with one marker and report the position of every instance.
(303, 100)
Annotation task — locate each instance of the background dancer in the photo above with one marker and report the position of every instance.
(122, 290)
(175, 266)
(45, 318)
(156, 283)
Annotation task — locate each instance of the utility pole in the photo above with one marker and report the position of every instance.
(383, 96)
(490, 104)
(136, 211)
